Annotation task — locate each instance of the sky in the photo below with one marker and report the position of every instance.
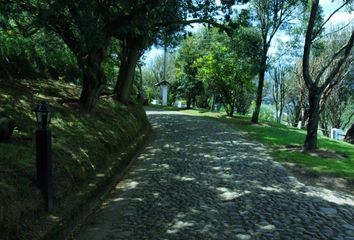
(328, 7)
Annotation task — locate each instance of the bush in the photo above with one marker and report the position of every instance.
(266, 113)
(39, 56)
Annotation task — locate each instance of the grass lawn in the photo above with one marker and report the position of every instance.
(334, 158)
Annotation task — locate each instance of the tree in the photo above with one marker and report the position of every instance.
(189, 85)
(87, 28)
(39, 55)
(296, 97)
(81, 26)
(132, 50)
(328, 73)
(337, 111)
(271, 16)
(245, 44)
(153, 73)
(228, 66)
(159, 21)
(279, 91)
(218, 71)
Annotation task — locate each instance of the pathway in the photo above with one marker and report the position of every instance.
(200, 179)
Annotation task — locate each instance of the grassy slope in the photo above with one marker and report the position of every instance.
(279, 136)
(83, 145)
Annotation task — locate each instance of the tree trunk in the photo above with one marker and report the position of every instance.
(212, 103)
(297, 113)
(139, 77)
(349, 137)
(280, 114)
(126, 74)
(324, 123)
(232, 110)
(277, 113)
(282, 97)
(303, 115)
(259, 97)
(229, 109)
(324, 128)
(314, 102)
(93, 79)
(189, 102)
(337, 117)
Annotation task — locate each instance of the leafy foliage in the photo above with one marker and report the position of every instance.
(224, 68)
(39, 56)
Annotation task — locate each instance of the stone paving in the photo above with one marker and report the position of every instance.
(200, 179)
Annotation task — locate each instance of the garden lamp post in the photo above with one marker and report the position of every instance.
(44, 152)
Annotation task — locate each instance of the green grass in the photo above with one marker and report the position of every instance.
(83, 144)
(277, 137)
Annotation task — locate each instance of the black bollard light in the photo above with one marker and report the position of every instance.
(44, 153)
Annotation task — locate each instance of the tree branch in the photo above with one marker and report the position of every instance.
(324, 68)
(335, 31)
(329, 17)
(223, 27)
(341, 61)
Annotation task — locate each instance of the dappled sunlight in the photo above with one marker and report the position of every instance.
(108, 202)
(156, 150)
(127, 185)
(185, 178)
(84, 153)
(330, 196)
(178, 225)
(100, 175)
(156, 195)
(53, 218)
(160, 167)
(227, 194)
(117, 200)
(5, 96)
(226, 175)
(213, 184)
(268, 227)
(272, 189)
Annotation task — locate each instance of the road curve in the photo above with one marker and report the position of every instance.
(201, 179)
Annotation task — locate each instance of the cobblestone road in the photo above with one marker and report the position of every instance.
(200, 179)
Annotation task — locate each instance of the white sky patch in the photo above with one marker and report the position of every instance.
(341, 18)
(329, 6)
(280, 37)
(151, 54)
